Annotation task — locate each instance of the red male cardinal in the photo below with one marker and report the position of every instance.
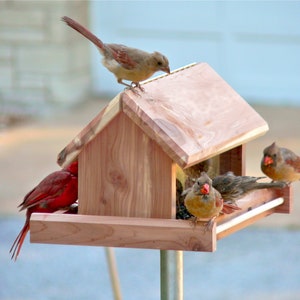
(56, 191)
(125, 62)
(232, 187)
(204, 202)
(280, 164)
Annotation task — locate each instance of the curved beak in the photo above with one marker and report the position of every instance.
(205, 189)
(166, 69)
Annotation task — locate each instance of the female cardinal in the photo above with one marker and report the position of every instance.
(58, 190)
(204, 202)
(280, 164)
(125, 62)
(233, 187)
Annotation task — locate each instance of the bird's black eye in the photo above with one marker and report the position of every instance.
(159, 63)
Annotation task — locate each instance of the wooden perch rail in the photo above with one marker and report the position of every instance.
(154, 233)
(247, 218)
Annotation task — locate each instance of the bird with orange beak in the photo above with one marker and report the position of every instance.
(204, 202)
(280, 164)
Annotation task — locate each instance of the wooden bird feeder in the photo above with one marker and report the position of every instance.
(127, 165)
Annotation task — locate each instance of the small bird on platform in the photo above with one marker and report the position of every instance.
(232, 187)
(280, 164)
(124, 62)
(204, 202)
(56, 191)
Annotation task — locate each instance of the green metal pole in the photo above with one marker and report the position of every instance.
(164, 275)
(114, 278)
(171, 275)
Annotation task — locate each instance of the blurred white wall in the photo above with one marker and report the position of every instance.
(253, 45)
(43, 64)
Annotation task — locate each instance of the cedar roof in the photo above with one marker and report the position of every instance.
(193, 114)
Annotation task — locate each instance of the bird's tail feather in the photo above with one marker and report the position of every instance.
(229, 208)
(84, 31)
(17, 245)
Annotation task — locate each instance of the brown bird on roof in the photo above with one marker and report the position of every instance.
(124, 62)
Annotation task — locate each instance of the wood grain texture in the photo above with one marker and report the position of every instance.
(152, 233)
(72, 150)
(120, 232)
(247, 218)
(125, 173)
(193, 114)
(252, 201)
(234, 160)
(288, 194)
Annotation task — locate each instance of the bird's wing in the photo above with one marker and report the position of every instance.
(52, 186)
(229, 208)
(295, 163)
(291, 159)
(120, 54)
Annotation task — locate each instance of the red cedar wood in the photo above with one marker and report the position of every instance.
(150, 233)
(122, 172)
(256, 199)
(89, 132)
(193, 114)
(233, 160)
(288, 194)
(164, 234)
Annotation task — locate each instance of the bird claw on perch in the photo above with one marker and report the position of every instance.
(137, 85)
(133, 87)
(207, 225)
